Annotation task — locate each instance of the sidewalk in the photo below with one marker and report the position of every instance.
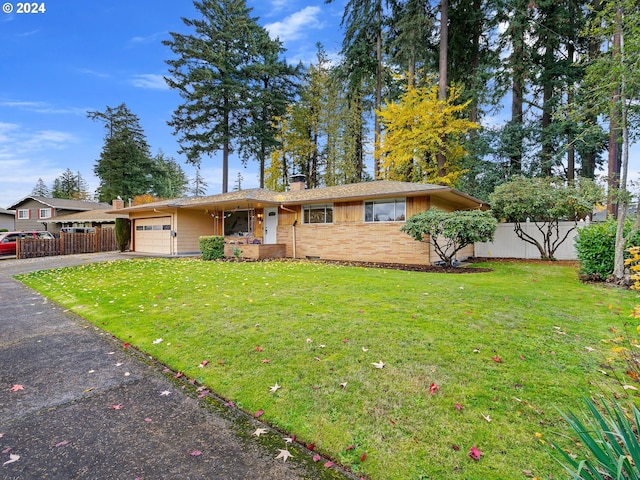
(74, 404)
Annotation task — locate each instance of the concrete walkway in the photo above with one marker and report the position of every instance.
(74, 404)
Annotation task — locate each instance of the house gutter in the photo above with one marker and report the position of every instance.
(293, 226)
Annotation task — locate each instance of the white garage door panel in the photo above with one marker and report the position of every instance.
(153, 235)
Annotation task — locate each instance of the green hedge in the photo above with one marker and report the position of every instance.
(212, 248)
(595, 245)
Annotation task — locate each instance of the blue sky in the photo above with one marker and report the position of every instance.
(79, 56)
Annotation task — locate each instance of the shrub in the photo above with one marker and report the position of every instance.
(123, 233)
(610, 440)
(212, 248)
(450, 232)
(595, 245)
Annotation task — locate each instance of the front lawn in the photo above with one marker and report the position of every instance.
(478, 359)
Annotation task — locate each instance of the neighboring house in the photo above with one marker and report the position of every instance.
(359, 222)
(37, 213)
(91, 218)
(7, 220)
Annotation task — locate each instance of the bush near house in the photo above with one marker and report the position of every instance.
(212, 248)
(450, 232)
(595, 245)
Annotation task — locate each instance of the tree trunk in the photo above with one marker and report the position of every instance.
(614, 134)
(442, 80)
(378, 99)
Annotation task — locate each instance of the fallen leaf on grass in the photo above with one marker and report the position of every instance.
(328, 464)
(203, 363)
(629, 387)
(343, 385)
(316, 458)
(259, 349)
(16, 388)
(157, 340)
(258, 413)
(350, 447)
(311, 446)
(589, 349)
(363, 457)
(365, 349)
(259, 431)
(266, 360)
(486, 417)
(497, 359)
(275, 388)
(284, 454)
(475, 453)
(433, 389)
(455, 447)
(459, 407)
(12, 458)
(379, 364)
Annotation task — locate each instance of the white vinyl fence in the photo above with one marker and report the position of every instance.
(506, 243)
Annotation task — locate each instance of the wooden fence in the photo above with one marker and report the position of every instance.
(103, 240)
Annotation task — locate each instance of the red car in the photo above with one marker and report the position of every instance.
(8, 240)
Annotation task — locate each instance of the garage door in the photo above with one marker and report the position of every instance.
(153, 235)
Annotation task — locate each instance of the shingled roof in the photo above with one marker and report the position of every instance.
(63, 203)
(350, 192)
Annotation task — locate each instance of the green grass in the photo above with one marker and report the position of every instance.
(314, 321)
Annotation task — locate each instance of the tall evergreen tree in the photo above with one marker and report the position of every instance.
(168, 179)
(272, 88)
(71, 186)
(40, 189)
(211, 73)
(125, 165)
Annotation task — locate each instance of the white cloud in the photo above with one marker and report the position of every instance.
(153, 38)
(93, 73)
(296, 24)
(43, 107)
(149, 80)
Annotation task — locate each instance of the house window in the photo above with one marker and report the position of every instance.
(317, 213)
(385, 210)
(44, 213)
(23, 214)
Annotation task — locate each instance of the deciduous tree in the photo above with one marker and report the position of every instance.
(450, 232)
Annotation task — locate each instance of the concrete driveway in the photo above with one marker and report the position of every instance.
(74, 404)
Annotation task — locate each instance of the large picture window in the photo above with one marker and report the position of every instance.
(317, 213)
(385, 210)
(238, 223)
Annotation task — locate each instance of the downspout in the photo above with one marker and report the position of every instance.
(293, 226)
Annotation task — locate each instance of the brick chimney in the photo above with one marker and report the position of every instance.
(297, 182)
(117, 203)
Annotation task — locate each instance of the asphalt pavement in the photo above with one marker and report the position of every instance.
(75, 404)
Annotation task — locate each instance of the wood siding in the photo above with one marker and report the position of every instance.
(190, 225)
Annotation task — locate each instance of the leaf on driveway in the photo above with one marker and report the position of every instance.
(116, 407)
(284, 454)
(17, 388)
(195, 453)
(259, 431)
(12, 458)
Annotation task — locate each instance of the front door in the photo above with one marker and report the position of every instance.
(270, 225)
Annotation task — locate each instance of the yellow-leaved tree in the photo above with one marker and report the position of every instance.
(417, 127)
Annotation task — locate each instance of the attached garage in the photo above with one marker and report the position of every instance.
(153, 235)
